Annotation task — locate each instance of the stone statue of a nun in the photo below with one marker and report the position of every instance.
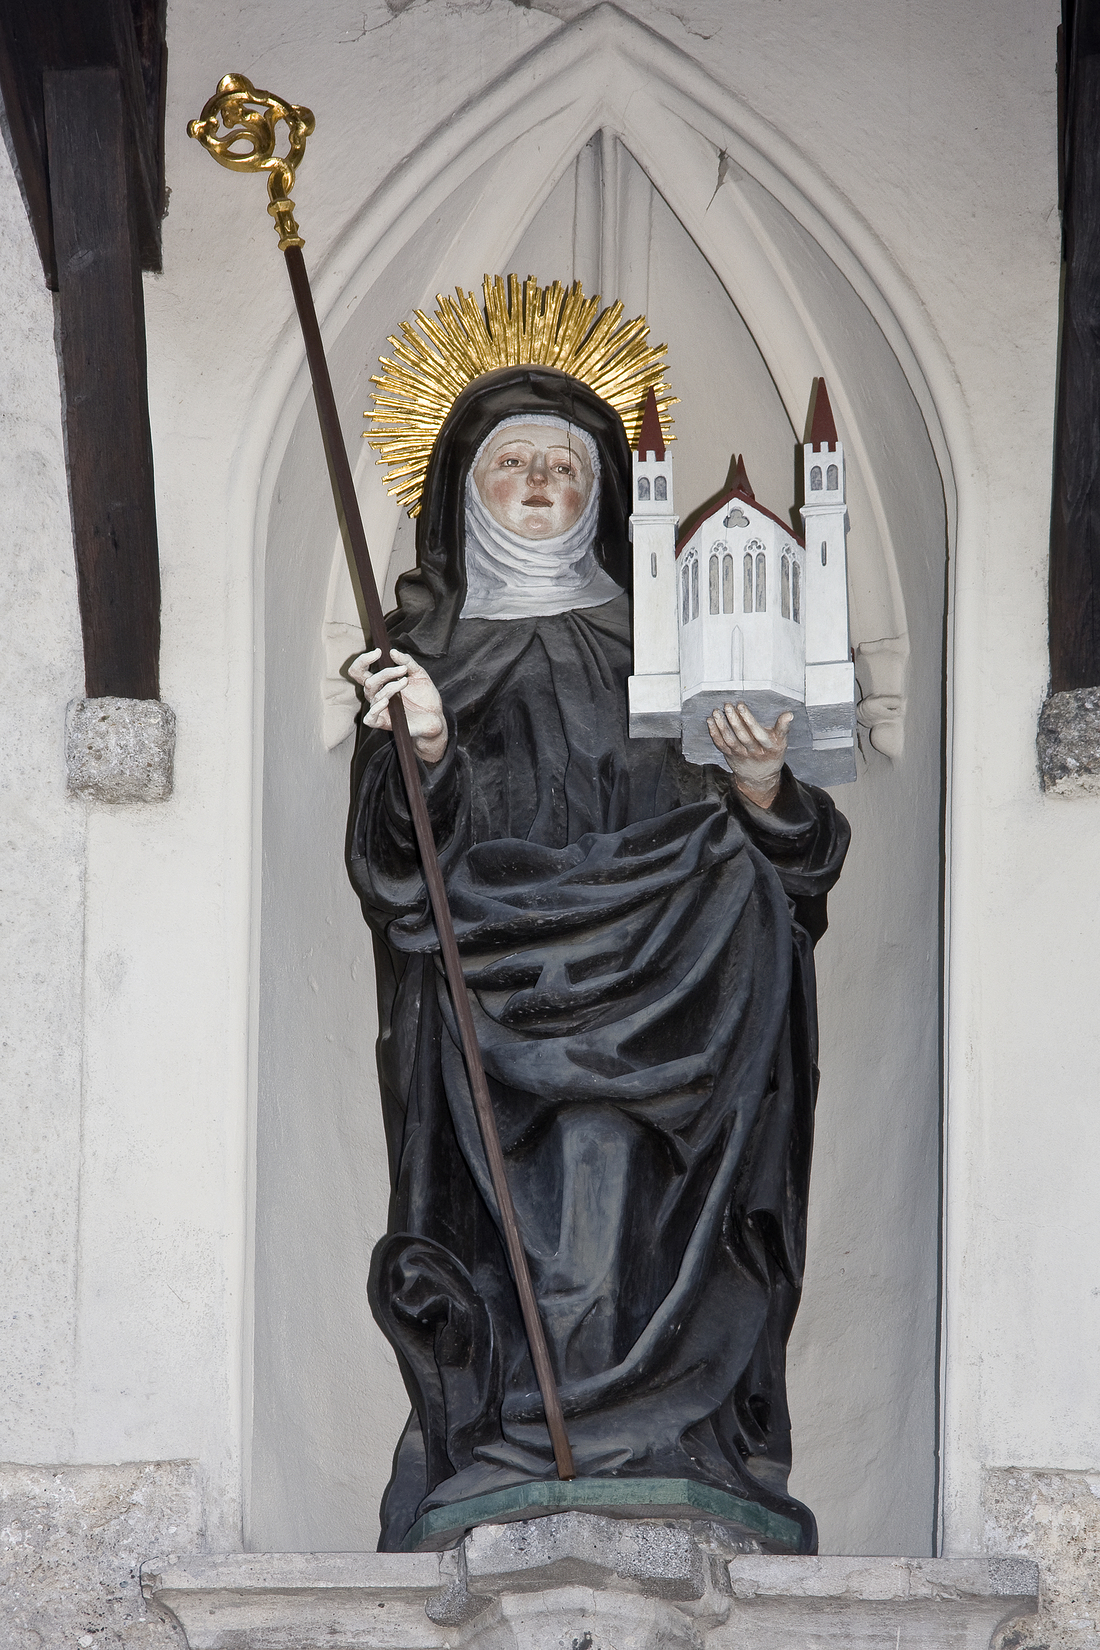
(637, 935)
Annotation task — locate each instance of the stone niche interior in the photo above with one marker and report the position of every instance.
(751, 306)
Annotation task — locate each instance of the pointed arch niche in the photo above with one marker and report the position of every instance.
(646, 181)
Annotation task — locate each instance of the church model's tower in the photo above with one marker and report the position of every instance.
(653, 693)
(830, 674)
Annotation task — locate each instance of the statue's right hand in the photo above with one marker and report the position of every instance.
(423, 706)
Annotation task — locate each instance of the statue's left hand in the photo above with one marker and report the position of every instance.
(755, 754)
(423, 706)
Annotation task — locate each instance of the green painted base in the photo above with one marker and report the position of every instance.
(614, 1498)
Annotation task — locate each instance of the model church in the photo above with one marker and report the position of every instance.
(740, 608)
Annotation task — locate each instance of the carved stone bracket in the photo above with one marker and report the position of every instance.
(120, 750)
(1069, 743)
(881, 669)
(574, 1579)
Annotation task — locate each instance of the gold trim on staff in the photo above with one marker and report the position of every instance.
(249, 117)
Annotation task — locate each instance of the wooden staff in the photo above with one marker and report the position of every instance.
(249, 117)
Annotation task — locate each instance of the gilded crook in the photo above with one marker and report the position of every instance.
(246, 118)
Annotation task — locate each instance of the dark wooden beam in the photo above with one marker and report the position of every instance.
(101, 316)
(127, 35)
(1075, 506)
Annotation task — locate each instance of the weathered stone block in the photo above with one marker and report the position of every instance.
(71, 1544)
(120, 750)
(302, 1601)
(1054, 1519)
(663, 1560)
(1069, 743)
(944, 1604)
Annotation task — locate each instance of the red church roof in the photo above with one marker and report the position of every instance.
(739, 488)
(650, 439)
(822, 427)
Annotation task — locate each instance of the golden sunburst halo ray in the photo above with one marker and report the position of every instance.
(517, 324)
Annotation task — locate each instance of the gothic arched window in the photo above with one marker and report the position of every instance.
(761, 583)
(694, 588)
(685, 605)
(748, 582)
(643, 486)
(796, 593)
(785, 587)
(727, 584)
(660, 487)
(815, 479)
(832, 478)
(713, 583)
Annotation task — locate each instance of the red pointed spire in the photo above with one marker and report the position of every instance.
(738, 481)
(822, 428)
(651, 440)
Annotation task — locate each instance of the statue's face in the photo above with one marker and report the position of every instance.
(533, 480)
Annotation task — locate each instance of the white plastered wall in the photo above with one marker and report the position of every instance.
(42, 857)
(129, 1023)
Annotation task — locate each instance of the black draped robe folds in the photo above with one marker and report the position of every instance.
(638, 942)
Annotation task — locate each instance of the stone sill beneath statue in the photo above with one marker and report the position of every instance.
(549, 1582)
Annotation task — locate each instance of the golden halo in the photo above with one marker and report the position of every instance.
(526, 325)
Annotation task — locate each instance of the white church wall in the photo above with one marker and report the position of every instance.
(42, 840)
(935, 127)
(329, 1404)
(1022, 1324)
(123, 1162)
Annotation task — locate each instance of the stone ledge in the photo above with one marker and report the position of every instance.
(275, 1601)
(1068, 743)
(948, 1604)
(120, 750)
(868, 1579)
(571, 1579)
(258, 1575)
